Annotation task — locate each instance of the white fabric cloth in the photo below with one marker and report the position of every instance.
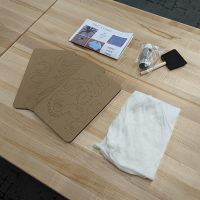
(137, 138)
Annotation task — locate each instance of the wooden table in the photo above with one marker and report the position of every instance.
(16, 16)
(77, 170)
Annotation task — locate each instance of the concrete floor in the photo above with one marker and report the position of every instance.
(17, 185)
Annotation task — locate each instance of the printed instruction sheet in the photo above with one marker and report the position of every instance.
(101, 39)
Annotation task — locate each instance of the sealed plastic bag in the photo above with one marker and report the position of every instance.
(148, 55)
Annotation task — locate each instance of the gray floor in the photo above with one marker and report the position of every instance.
(17, 185)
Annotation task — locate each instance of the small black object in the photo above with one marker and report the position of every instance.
(146, 57)
(173, 59)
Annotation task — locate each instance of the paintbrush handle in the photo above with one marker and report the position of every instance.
(153, 68)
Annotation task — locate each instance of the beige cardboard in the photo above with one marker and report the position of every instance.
(56, 77)
(40, 64)
(69, 108)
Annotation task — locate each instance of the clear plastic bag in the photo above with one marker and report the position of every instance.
(148, 55)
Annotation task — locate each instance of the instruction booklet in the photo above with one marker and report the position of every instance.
(101, 39)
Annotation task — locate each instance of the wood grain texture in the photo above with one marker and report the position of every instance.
(183, 82)
(16, 16)
(77, 170)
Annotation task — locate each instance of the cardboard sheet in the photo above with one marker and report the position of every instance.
(69, 108)
(63, 70)
(39, 66)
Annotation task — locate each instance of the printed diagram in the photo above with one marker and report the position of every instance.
(102, 39)
(76, 101)
(80, 40)
(87, 31)
(117, 41)
(94, 45)
(84, 35)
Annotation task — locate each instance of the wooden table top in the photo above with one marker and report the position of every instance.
(76, 170)
(16, 16)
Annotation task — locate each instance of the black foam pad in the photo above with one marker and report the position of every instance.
(173, 59)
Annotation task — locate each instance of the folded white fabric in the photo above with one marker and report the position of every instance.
(137, 138)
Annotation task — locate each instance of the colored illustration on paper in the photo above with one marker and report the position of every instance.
(94, 45)
(117, 41)
(84, 35)
(87, 31)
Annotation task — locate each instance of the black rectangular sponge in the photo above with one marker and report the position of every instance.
(173, 59)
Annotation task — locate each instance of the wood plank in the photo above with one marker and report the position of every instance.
(77, 170)
(47, 175)
(16, 16)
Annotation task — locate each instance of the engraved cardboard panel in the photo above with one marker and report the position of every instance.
(56, 77)
(39, 66)
(77, 101)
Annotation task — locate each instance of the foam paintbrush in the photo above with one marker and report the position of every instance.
(171, 59)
